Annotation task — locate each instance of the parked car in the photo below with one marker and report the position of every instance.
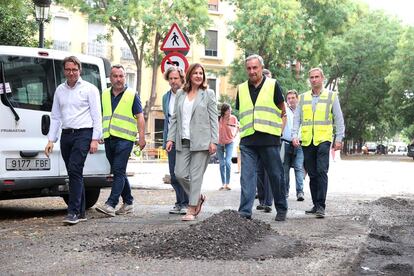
(381, 149)
(410, 150)
(371, 147)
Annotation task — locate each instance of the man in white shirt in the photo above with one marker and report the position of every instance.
(293, 155)
(77, 110)
(175, 77)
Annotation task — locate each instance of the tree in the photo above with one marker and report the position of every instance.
(401, 82)
(361, 60)
(290, 35)
(143, 24)
(16, 27)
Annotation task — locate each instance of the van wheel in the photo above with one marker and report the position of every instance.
(91, 197)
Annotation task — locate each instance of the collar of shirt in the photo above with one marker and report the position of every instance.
(78, 82)
(122, 92)
(251, 85)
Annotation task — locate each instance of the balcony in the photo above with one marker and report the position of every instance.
(61, 45)
(126, 54)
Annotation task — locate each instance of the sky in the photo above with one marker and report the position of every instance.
(403, 9)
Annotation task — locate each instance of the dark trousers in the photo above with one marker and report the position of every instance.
(180, 195)
(270, 157)
(74, 147)
(317, 166)
(264, 192)
(117, 152)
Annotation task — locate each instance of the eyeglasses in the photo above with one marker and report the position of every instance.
(74, 70)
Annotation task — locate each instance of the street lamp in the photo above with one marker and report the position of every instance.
(42, 14)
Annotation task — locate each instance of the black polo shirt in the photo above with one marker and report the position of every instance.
(260, 138)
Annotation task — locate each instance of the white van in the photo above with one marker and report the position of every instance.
(28, 79)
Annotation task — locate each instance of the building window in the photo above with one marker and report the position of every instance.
(96, 47)
(211, 45)
(212, 84)
(213, 5)
(130, 80)
(60, 39)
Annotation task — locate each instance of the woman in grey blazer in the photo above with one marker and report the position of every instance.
(194, 130)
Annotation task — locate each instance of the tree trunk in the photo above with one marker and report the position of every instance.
(155, 64)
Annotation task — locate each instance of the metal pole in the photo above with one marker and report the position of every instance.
(41, 35)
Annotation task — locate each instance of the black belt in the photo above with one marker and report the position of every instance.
(286, 141)
(74, 130)
(185, 141)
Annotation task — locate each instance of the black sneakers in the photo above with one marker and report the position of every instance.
(311, 211)
(318, 212)
(71, 219)
(280, 216)
(267, 209)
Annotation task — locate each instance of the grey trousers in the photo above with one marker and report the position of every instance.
(189, 171)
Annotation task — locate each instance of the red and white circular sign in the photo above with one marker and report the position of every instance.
(174, 59)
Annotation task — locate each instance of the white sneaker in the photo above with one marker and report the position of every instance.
(125, 209)
(175, 210)
(106, 209)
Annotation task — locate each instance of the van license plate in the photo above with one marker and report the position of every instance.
(26, 164)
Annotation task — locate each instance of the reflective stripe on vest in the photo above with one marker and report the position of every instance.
(317, 126)
(264, 116)
(122, 122)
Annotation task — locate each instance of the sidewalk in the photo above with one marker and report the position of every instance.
(149, 175)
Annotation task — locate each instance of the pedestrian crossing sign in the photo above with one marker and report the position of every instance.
(175, 40)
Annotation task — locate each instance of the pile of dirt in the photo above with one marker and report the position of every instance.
(224, 236)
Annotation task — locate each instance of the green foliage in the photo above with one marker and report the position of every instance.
(16, 26)
(401, 81)
(362, 60)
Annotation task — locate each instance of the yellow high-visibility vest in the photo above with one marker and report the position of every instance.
(317, 126)
(122, 122)
(264, 116)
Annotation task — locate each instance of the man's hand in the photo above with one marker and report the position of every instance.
(168, 146)
(48, 148)
(212, 148)
(295, 142)
(338, 146)
(94, 146)
(141, 143)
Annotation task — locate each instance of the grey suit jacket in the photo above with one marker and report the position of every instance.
(203, 124)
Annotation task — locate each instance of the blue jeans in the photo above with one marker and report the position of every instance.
(224, 153)
(294, 158)
(117, 152)
(180, 195)
(317, 166)
(270, 157)
(74, 148)
(264, 192)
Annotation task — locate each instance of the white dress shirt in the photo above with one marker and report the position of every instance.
(171, 106)
(76, 107)
(187, 111)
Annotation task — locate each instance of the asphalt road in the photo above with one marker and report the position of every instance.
(368, 229)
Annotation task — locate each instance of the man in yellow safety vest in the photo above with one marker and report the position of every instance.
(122, 119)
(318, 112)
(261, 106)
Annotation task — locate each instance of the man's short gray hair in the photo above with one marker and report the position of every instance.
(255, 56)
(316, 69)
